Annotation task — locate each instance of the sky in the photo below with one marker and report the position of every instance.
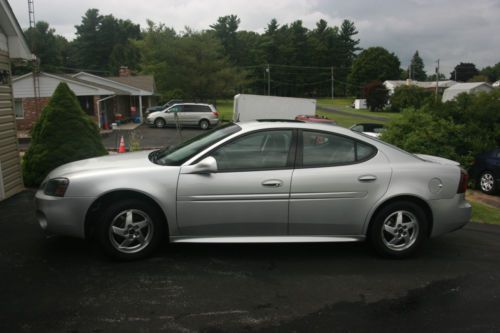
(450, 30)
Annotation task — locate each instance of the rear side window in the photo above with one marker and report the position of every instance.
(325, 149)
(197, 108)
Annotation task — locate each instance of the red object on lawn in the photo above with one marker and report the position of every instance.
(121, 148)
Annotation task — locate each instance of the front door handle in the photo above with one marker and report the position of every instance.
(367, 178)
(272, 183)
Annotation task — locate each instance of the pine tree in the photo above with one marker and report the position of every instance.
(417, 71)
(63, 134)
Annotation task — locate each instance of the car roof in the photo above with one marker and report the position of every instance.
(283, 123)
(182, 103)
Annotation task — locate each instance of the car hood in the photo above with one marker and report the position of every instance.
(437, 159)
(110, 162)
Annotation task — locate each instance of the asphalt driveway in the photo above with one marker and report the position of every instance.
(56, 284)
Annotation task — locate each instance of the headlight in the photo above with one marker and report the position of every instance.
(56, 187)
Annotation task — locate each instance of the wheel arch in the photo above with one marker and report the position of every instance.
(406, 198)
(92, 215)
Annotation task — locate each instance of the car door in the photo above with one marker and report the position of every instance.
(188, 115)
(336, 183)
(249, 193)
(172, 113)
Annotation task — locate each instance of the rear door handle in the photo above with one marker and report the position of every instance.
(367, 178)
(272, 183)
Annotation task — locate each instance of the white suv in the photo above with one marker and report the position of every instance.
(186, 114)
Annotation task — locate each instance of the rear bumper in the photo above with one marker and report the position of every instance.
(62, 216)
(450, 214)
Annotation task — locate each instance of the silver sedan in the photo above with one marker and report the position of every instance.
(258, 182)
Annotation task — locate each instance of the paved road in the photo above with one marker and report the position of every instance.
(64, 285)
(150, 138)
(336, 111)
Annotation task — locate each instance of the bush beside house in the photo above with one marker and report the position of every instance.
(409, 96)
(63, 134)
(458, 130)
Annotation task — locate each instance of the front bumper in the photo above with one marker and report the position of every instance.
(450, 214)
(62, 216)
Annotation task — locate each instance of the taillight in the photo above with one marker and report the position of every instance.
(215, 113)
(462, 186)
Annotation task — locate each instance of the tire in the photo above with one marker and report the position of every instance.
(204, 124)
(487, 183)
(160, 123)
(131, 229)
(398, 229)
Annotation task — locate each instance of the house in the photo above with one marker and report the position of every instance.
(496, 84)
(13, 48)
(106, 99)
(469, 88)
(391, 85)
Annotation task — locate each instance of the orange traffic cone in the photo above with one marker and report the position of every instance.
(121, 148)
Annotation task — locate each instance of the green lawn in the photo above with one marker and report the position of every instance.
(225, 108)
(484, 213)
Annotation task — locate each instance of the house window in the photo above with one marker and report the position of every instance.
(18, 106)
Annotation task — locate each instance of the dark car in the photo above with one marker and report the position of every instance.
(485, 171)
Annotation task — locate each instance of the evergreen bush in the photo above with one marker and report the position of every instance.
(62, 134)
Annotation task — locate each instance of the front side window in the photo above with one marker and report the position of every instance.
(256, 151)
(325, 149)
(179, 154)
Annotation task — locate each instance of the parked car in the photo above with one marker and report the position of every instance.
(371, 129)
(316, 119)
(258, 182)
(485, 171)
(186, 114)
(163, 106)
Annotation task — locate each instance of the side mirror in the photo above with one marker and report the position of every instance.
(205, 166)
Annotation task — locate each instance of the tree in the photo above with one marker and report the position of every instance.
(417, 71)
(63, 134)
(409, 97)
(478, 78)
(99, 37)
(463, 72)
(49, 48)
(192, 65)
(376, 95)
(225, 29)
(374, 63)
(493, 73)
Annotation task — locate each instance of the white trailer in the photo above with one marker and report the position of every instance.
(253, 107)
(360, 104)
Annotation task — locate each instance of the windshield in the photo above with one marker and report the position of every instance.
(176, 155)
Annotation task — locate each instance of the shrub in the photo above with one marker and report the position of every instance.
(376, 95)
(458, 130)
(63, 134)
(409, 97)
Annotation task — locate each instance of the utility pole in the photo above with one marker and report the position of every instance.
(437, 79)
(268, 70)
(333, 82)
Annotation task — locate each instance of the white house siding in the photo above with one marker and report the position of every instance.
(3, 42)
(23, 87)
(10, 172)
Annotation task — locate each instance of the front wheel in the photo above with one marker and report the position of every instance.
(204, 124)
(398, 229)
(487, 182)
(131, 229)
(160, 123)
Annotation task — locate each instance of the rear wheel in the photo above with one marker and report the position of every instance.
(204, 124)
(487, 182)
(131, 229)
(160, 123)
(398, 229)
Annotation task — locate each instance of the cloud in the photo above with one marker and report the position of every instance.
(451, 30)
